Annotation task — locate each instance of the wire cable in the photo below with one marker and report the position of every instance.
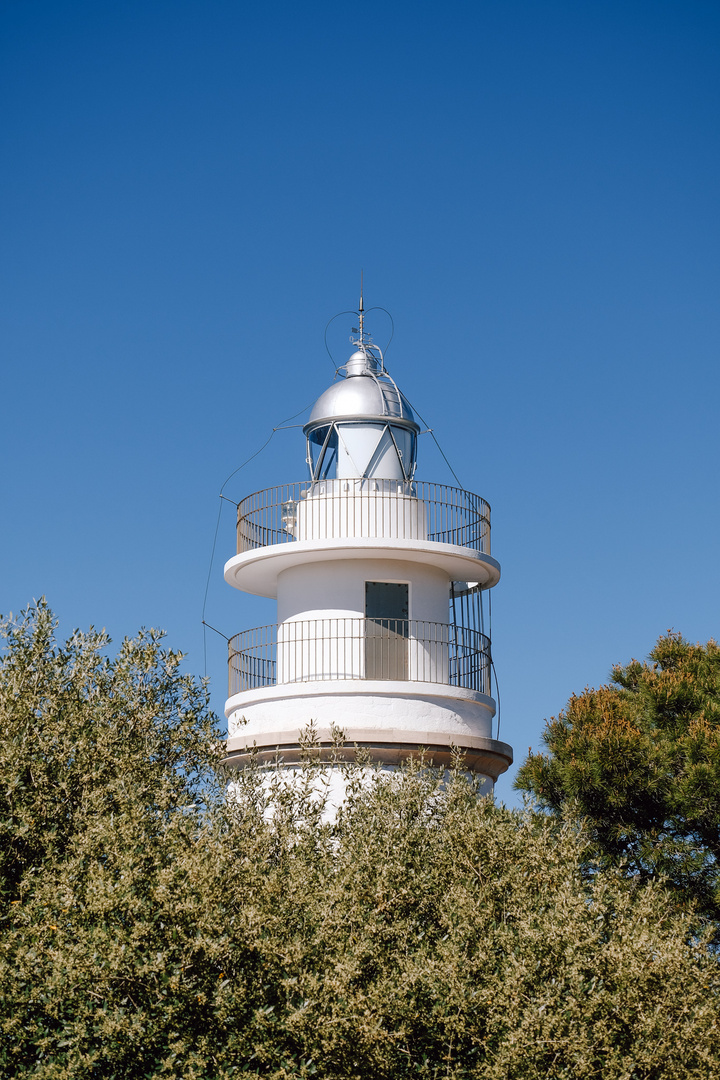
(224, 498)
(497, 695)
(327, 327)
(492, 662)
(207, 584)
(429, 431)
(392, 324)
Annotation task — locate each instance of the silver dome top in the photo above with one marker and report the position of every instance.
(362, 428)
(361, 398)
(366, 393)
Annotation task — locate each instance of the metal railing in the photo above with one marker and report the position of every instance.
(335, 509)
(333, 649)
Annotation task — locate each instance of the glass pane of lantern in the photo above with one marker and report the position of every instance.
(323, 452)
(406, 444)
(368, 450)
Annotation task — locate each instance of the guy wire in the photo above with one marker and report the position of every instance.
(431, 432)
(217, 523)
(497, 694)
(492, 662)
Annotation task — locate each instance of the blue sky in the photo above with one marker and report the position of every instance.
(188, 193)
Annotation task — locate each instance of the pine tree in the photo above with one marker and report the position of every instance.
(639, 761)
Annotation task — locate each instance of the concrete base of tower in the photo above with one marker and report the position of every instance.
(329, 783)
(389, 720)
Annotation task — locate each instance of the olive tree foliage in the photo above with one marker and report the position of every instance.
(639, 760)
(154, 926)
(103, 782)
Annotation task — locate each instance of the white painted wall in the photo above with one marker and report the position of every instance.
(336, 588)
(413, 712)
(334, 509)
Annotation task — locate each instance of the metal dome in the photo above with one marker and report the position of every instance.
(361, 397)
(362, 426)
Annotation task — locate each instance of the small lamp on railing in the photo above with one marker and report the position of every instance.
(289, 515)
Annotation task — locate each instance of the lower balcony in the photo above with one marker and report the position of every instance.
(334, 649)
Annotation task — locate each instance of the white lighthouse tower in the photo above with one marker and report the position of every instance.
(379, 581)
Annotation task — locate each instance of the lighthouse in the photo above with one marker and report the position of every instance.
(379, 578)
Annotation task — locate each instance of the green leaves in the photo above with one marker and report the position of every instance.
(154, 924)
(640, 762)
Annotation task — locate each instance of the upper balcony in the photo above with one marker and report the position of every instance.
(363, 509)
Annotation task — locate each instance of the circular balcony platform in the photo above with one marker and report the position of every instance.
(256, 571)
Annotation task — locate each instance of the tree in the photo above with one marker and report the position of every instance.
(639, 760)
(154, 926)
(105, 777)
(457, 939)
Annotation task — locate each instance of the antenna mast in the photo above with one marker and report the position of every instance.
(361, 312)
